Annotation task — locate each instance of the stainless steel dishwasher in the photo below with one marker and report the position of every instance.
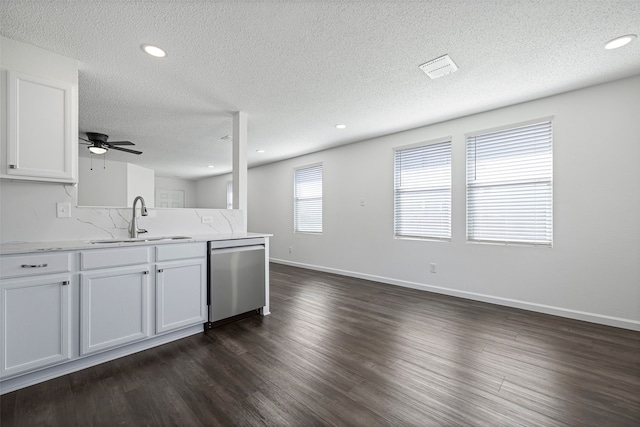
(236, 277)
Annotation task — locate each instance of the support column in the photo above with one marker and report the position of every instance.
(240, 163)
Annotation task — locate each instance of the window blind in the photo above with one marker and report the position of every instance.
(509, 185)
(307, 216)
(422, 196)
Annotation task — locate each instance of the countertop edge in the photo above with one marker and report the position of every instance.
(15, 248)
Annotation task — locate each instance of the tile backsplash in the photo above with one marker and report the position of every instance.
(28, 214)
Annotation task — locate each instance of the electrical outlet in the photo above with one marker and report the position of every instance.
(63, 210)
(432, 268)
(290, 249)
(207, 219)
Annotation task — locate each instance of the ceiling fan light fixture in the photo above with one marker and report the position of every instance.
(97, 150)
(100, 145)
(154, 51)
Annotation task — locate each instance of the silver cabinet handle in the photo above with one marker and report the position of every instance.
(34, 265)
(65, 283)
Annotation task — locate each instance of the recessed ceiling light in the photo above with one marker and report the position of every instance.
(620, 41)
(259, 151)
(341, 126)
(211, 166)
(154, 51)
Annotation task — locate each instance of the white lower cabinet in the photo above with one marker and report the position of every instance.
(35, 323)
(114, 308)
(181, 294)
(65, 308)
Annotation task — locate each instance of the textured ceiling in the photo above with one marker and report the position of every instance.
(298, 68)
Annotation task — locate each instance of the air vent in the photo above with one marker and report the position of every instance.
(439, 67)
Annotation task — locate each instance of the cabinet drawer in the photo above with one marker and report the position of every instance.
(113, 257)
(181, 251)
(30, 265)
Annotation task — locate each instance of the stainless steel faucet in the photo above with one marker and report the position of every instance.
(134, 223)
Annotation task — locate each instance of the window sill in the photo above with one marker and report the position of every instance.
(423, 239)
(498, 243)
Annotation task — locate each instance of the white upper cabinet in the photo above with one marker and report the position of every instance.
(41, 136)
(38, 114)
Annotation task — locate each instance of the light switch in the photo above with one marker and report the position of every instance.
(362, 201)
(63, 210)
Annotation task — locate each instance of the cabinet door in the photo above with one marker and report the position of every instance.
(181, 294)
(114, 308)
(35, 323)
(41, 142)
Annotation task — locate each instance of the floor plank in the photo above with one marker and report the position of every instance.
(340, 351)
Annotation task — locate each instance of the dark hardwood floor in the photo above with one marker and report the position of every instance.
(348, 352)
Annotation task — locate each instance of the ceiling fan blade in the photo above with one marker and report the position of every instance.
(126, 150)
(120, 143)
(85, 140)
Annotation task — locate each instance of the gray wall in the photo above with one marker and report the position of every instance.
(212, 192)
(101, 182)
(186, 185)
(593, 270)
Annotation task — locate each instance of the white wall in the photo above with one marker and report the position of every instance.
(34, 60)
(140, 182)
(101, 182)
(212, 192)
(28, 214)
(107, 183)
(591, 273)
(177, 184)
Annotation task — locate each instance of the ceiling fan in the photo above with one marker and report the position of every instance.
(98, 144)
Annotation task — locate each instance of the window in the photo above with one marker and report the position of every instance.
(509, 185)
(229, 194)
(422, 195)
(307, 203)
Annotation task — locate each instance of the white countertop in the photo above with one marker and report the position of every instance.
(71, 245)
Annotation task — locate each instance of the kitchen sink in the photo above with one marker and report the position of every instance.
(141, 239)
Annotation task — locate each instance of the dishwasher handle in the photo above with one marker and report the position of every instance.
(237, 249)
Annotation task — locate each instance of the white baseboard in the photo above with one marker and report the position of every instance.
(618, 322)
